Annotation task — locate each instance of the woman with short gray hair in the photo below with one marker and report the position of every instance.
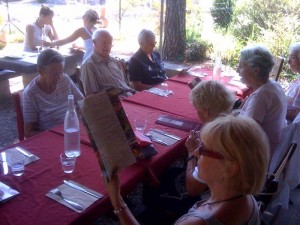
(267, 104)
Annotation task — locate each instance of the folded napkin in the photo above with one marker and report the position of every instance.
(7, 152)
(142, 139)
(160, 92)
(161, 138)
(74, 195)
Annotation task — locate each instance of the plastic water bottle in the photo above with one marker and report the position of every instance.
(217, 67)
(71, 130)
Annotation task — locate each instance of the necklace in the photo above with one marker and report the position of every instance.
(225, 200)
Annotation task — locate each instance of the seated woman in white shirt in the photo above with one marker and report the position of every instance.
(33, 35)
(45, 99)
(90, 19)
(267, 105)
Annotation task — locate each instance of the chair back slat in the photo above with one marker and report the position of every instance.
(277, 68)
(17, 101)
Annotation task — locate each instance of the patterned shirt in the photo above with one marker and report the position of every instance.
(48, 110)
(98, 75)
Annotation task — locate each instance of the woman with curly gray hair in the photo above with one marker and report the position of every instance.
(267, 105)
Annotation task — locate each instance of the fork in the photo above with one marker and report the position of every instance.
(77, 206)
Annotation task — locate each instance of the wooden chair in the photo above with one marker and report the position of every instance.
(123, 65)
(276, 70)
(17, 101)
(78, 81)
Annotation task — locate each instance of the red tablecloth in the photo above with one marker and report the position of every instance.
(33, 207)
(166, 154)
(177, 103)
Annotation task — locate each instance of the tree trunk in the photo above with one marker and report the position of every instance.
(174, 32)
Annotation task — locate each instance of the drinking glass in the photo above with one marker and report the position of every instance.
(164, 88)
(67, 162)
(140, 124)
(17, 163)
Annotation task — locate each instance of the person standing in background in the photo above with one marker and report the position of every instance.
(90, 19)
(33, 35)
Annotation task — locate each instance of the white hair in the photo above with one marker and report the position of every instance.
(97, 33)
(145, 35)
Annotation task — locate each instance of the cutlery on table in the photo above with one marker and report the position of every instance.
(82, 189)
(165, 134)
(159, 141)
(77, 206)
(31, 156)
(4, 163)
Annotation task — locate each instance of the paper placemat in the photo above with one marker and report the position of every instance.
(6, 192)
(160, 138)
(75, 195)
(159, 92)
(5, 155)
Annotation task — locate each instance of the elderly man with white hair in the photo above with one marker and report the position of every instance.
(145, 66)
(100, 71)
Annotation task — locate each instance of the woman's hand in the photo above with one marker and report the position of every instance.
(193, 141)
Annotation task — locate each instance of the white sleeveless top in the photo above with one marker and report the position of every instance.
(37, 38)
(88, 46)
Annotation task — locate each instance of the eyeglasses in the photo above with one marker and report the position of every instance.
(202, 150)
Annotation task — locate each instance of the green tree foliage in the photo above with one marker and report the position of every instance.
(273, 23)
(196, 48)
(222, 12)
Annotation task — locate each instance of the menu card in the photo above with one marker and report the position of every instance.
(6, 192)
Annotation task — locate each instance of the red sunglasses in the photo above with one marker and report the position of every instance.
(202, 150)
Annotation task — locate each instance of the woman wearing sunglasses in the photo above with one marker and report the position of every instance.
(232, 160)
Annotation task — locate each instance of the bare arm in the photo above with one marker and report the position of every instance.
(74, 36)
(124, 214)
(30, 37)
(53, 36)
(31, 129)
